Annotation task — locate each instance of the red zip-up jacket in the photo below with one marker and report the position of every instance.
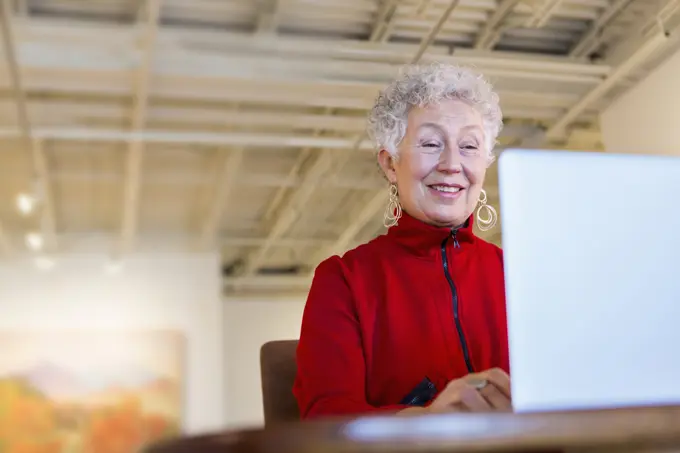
(418, 302)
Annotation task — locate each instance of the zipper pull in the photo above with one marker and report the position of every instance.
(456, 245)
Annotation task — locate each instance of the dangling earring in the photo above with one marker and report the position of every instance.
(393, 210)
(485, 224)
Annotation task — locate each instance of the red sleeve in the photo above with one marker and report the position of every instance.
(331, 371)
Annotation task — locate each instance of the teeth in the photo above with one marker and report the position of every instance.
(446, 189)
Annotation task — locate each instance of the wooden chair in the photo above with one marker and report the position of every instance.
(278, 368)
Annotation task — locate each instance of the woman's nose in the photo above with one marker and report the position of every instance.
(450, 161)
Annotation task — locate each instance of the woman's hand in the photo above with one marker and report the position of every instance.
(488, 391)
(479, 392)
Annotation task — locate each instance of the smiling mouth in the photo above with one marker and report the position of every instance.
(446, 189)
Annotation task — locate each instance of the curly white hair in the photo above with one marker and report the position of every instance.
(421, 85)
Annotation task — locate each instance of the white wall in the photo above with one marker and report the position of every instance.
(248, 325)
(177, 291)
(162, 291)
(646, 119)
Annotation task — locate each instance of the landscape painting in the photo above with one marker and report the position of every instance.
(89, 392)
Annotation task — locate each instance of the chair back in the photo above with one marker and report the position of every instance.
(278, 368)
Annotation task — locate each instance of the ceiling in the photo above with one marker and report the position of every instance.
(173, 125)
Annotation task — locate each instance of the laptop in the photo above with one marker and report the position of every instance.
(591, 244)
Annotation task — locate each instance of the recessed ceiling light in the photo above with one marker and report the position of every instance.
(34, 241)
(25, 203)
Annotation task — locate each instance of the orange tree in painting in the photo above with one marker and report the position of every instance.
(123, 428)
(27, 420)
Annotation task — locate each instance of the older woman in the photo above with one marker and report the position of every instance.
(414, 320)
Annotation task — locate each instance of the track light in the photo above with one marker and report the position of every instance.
(25, 203)
(34, 241)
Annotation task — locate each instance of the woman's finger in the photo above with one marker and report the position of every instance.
(473, 400)
(499, 379)
(496, 399)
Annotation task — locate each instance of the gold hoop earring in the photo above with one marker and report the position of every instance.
(485, 224)
(393, 210)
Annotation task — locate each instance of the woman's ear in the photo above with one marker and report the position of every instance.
(386, 162)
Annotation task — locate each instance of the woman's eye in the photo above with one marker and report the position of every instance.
(469, 147)
(432, 145)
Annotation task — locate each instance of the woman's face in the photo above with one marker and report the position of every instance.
(442, 163)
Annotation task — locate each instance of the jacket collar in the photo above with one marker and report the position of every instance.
(424, 239)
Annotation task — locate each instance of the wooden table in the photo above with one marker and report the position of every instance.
(629, 430)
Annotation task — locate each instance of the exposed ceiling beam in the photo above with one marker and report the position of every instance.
(259, 282)
(293, 174)
(284, 91)
(218, 51)
(134, 161)
(421, 10)
(533, 141)
(282, 242)
(284, 69)
(67, 114)
(190, 138)
(37, 155)
(591, 39)
(385, 21)
(367, 212)
(496, 25)
(62, 112)
(320, 164)
(141, 12)
(268, 17)
(294, 295)
(22, 7)
(354, 50)
(284, 94)
(664, 17)
(543, 13)
(272, 180)
(429, 38)
(226, 180)
(492, 30)
(48, 224)
(558, 130)
(520, 104)
(238, 139)
(157, 240)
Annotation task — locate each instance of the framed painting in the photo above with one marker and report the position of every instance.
(89, 391)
